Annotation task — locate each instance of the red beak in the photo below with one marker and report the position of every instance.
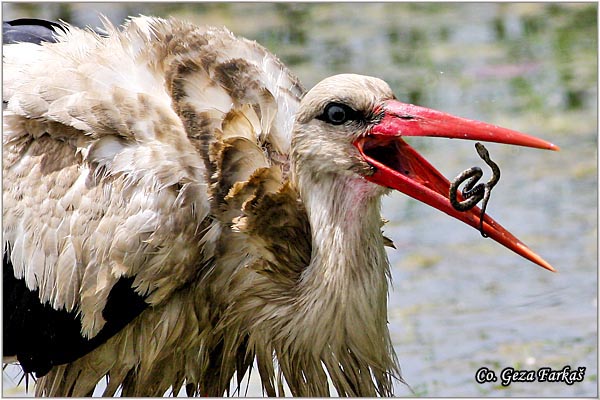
(400, 167)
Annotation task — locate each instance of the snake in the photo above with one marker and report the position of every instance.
(473, 193)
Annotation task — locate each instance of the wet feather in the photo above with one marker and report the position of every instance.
(175, 169)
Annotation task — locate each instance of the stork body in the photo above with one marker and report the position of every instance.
(176, 207)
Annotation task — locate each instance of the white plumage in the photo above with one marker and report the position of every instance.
(182, 158)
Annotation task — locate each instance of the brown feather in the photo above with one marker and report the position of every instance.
(164, 152)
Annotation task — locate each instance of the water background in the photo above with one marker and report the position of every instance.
(459, 302)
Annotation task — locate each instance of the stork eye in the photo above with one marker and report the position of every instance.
(337, 114)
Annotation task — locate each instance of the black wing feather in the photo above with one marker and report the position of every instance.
(29, 30)
(42, 337)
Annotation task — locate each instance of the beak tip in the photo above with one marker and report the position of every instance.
(553, 147)
(544, 264)
(527, 253)
(550, 268)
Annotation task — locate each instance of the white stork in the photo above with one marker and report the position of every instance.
(177, 207)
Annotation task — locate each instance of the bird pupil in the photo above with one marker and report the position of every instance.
(336, 114)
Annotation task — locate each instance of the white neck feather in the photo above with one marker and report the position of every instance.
(347, 280)
(345, 220)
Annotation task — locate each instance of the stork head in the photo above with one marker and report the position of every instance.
(352, 126)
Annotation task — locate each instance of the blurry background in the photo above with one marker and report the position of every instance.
(459, 302)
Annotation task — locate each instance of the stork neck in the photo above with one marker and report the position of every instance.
(340, 301)
(348, 256)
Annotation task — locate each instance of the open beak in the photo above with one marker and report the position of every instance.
(400, 167)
